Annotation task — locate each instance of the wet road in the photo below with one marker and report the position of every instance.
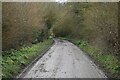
(64, 60)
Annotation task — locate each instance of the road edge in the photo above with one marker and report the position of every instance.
(91, 58)
(22, 74)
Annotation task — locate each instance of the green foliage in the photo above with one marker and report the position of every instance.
(101, 22)
(13, 62)
(109, 61)
(69, 23)
(28, 19)
(82, 43)
(96, 23)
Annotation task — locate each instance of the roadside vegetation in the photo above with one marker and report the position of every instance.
(26, 23)
(109, 62)
(16, 60)
(92, 26)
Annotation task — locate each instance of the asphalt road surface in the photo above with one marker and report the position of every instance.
(64, 60)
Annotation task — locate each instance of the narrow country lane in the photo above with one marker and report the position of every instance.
(64, 60)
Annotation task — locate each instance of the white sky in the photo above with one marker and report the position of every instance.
(61, 1)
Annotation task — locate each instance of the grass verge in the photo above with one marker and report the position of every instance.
(109, 62)
(13, 62)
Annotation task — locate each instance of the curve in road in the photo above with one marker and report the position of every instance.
(64, 60)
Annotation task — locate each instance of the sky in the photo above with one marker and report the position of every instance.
(61, 1)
